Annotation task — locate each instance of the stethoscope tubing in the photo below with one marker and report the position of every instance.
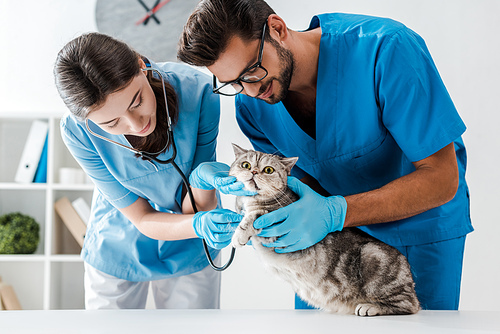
(171, 160)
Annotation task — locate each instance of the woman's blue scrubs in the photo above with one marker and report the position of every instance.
(380, 105)
(113, 244)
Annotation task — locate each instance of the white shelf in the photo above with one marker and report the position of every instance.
(22, 258)
(23, 186)
(79, 187)
(65, 258)
(41, 258)
(52, 278)
(43, 186)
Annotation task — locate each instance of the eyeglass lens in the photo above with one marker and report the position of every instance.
(254, 75)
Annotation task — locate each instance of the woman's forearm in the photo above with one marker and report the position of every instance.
(159, 225)
(166, 226)
(205, 200)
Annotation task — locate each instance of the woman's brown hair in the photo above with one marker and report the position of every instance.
(93, 66)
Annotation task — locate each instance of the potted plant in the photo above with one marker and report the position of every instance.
(19, 234)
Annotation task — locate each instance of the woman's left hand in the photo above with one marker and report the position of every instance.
(215, 175)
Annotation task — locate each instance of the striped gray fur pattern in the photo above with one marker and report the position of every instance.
(347, 272)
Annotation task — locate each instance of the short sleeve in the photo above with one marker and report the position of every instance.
(416, 107)
(82, 149)
(259, 141)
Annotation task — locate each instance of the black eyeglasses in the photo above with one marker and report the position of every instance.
(252, 74)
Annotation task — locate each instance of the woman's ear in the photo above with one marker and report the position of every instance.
(142, 64)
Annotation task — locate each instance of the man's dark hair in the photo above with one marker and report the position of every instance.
(214, 22)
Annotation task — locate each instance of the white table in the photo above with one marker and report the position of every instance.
(242, 321)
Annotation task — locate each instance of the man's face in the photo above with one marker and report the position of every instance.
(240, 55)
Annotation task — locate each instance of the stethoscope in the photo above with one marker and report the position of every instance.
(152, 157)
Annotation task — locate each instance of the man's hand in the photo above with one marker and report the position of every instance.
(304, 222)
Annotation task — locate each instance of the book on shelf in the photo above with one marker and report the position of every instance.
(71, 219)
(41, 171)
(8, 298)
(32, 152)
(82, 208)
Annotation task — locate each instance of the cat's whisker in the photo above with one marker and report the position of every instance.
(324, 274)
(280, 196)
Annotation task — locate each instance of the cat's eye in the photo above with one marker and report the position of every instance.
(246, 165)
(268, 170)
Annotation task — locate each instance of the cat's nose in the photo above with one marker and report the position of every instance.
(254, 172)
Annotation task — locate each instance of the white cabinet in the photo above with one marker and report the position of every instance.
(52, 277)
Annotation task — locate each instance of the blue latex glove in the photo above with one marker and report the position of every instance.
(304, 222)
(216, 226)
(215, 175)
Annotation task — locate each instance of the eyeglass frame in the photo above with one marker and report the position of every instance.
(238, 81)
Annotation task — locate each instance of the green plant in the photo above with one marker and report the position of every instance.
(19, 234)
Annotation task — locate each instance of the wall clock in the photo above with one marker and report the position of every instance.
(151, 27)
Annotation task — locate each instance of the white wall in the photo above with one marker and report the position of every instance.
(462, 36)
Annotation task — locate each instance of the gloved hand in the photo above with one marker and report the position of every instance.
(304, 222)
(215, 175)
(216, 226)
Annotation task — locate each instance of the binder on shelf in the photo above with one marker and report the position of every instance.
(41, 171)
(71, 219)
(82, 208)
(8, 298)
(32, 152)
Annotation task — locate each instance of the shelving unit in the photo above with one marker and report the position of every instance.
(52, 277)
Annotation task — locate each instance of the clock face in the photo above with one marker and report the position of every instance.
(156, 37)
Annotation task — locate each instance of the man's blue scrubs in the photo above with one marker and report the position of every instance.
(380, 105)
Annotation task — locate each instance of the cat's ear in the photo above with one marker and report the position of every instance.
(238, 150)
(289, 163)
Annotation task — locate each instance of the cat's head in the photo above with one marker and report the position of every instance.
(263, 173)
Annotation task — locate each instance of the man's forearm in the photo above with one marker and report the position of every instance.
(434, 183)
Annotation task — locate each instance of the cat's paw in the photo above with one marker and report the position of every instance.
(367, 310)
(239, 239)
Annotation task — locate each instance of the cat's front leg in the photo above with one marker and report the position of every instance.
(245, 230)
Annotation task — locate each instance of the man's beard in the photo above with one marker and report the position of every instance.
(285, 75)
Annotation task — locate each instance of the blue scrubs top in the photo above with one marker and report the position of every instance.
(380, 105)
(113, 244)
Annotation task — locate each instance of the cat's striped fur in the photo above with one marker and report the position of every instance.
(347, 272)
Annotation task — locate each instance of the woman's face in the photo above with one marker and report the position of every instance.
(130, 111)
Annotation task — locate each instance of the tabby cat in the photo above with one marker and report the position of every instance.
(347, 272)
